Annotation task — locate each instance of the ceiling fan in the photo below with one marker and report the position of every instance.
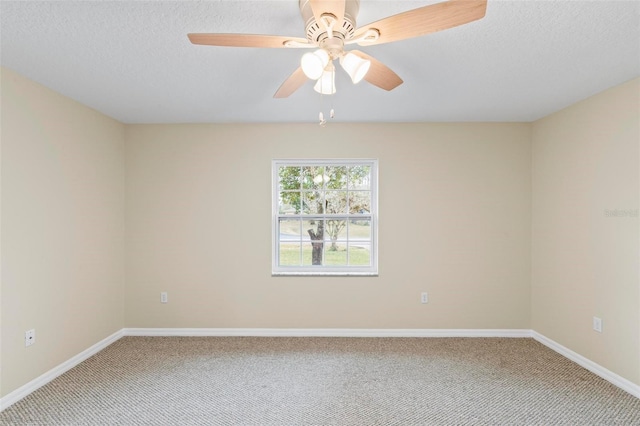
(330, 25)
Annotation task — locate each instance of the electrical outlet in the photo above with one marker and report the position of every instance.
(597, 324)
(424, 297)
(164, 297)
(29, 337)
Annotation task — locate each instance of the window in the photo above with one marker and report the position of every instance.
(325, 217)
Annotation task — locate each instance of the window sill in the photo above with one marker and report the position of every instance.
(324, 274)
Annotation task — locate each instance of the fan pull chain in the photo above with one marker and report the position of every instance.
(322, 122)
(332, 114)
(321, 115)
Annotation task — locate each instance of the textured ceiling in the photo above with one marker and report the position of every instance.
(132, 60)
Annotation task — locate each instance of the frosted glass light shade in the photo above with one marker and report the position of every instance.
(313, 63)
(326, 84)
(355, 66)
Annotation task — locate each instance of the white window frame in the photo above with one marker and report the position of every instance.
(324, 270)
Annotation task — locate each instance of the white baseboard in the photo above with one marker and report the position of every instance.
(42, 380)
(325, 332)
(597, 369)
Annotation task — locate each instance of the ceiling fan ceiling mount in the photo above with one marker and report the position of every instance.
(331, 24)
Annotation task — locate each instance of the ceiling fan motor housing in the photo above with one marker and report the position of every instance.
(317, 33)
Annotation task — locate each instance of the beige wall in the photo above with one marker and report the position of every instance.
(585, 263)
(62, 228)
(454, 221)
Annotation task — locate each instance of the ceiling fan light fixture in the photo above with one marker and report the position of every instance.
(355, 66)
(314, 63)
(326, 85)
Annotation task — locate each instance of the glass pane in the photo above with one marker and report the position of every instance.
(360, 254)
(337, 177)
(312, 203)
(335, 229)
(289, 230)
(289, 203)
(360, 229)
(289, 177)
(335, 254)
(360, 177)
(360, 202)
(313, 177)
(336, 202)
(289, 254)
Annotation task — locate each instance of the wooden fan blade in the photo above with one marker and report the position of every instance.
(425, 20)
(379, 74)
(245, 40)
(334, 7)
(291, 84)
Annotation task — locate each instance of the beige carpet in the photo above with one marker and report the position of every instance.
(326, 381)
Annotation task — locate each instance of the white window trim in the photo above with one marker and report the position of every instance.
(311, 270)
